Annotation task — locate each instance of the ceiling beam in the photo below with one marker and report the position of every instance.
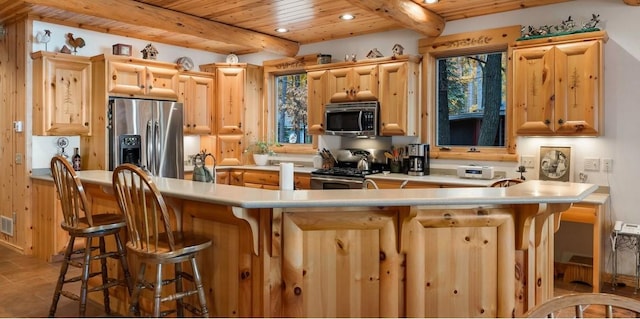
(406, 13)
(137, 13)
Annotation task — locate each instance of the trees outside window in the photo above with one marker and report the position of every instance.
(471, 99)
(291, 106)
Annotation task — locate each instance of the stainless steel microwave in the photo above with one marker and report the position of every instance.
(352, 118)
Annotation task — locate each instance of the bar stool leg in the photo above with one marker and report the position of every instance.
(105, 276)
(179, 302)
(85, 277)
(134, 304)
(63, 272)
(157, 295)
(122, 255)
(198, 282)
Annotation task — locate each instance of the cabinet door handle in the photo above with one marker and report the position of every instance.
(114, 77)
(240, 125)
(560, 121)
(547, 122)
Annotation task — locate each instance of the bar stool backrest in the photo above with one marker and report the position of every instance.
(71, 194)
(144, 208)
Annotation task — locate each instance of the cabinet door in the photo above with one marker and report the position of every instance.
(533, 100)
(127, 78)
(229, 150)
(230, 99)
(302, 181)
(222, 177)
(63, 97)
(365, 83)
(577, 88)
(353, 84)
(236, 177)
(161, 82)
(196, 94)
(341, 264)
(316, 100)
(394, 99)
(339, 84)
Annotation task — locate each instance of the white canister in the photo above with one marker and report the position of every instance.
(317, 161)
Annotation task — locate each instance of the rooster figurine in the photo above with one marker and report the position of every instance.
(75, 42)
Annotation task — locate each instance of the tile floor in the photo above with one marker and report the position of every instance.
(27, 285)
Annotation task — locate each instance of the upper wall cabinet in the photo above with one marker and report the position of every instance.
(393, 81)
(317, 98)
(238, 99)
(195, 91)
(61, 94)
(399, 99)
(141, 78)
(358, 83)
(558, 85)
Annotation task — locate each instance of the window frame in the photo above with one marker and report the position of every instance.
(272, 69)
(484, 41)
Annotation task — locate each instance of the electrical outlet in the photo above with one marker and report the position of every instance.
(528, 161)
(607, 164)
(592, 164)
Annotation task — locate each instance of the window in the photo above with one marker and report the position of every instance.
(471, 100)
(291, 109)
(466, 91)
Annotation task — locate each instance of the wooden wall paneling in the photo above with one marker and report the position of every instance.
(15, 187)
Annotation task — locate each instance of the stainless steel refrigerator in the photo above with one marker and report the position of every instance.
(147, 133)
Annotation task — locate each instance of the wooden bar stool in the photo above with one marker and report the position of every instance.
(80, 222)
(153, 240)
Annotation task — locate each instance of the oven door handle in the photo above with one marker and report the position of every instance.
(336, 180)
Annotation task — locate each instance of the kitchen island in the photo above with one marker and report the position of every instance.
(442, 252)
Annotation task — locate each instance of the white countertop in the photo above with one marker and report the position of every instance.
(534, 191)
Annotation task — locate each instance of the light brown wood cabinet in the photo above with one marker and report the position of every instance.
(317, 98)
(399, 98)
(142, 78)
(238, 98)
(196, 92)
(267, 179)
(394, 82)
(61, 94)
(358, 83)
(558, 85)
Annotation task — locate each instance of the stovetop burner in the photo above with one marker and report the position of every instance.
(345, 171)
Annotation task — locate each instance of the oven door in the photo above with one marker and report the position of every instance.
(336, 182)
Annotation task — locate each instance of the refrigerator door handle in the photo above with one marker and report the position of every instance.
(157, 154)
(149, 146)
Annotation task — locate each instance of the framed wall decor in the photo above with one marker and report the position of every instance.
(555, 163)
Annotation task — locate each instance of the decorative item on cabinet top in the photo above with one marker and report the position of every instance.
(75, 42)
(149, 52)
(567, 26)
(184, 63)
(121, 49)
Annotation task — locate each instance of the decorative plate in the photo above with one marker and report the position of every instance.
(185, 63)
(232, 58)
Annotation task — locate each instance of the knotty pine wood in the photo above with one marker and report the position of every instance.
(15, 191)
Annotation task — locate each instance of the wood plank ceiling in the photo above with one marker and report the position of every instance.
(248, 26)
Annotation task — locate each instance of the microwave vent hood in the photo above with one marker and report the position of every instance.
(353, 119)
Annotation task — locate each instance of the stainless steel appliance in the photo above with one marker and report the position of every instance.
(352, 118)
(418, 159)
(147, 133)
(346, 173)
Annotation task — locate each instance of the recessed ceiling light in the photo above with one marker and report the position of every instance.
(347, 16)
(282, 30)
(430, 1)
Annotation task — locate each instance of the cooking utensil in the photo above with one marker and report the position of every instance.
(388, 155)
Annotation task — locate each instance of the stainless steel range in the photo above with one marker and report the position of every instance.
(346, 173)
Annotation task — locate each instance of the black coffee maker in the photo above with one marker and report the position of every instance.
(418, 159)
